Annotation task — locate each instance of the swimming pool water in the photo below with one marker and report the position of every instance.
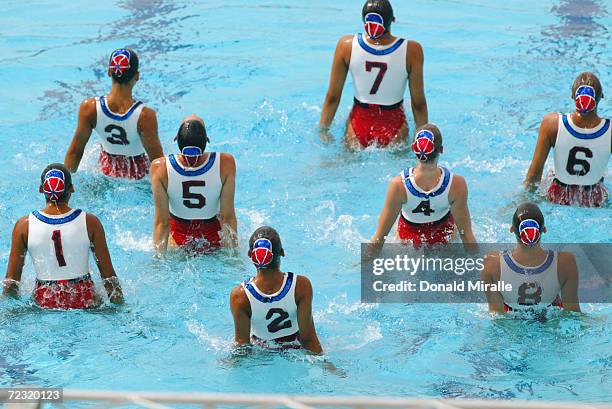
(257, 72)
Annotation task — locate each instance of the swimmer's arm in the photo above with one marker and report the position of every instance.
(161, 224)
(569, 278)
(546, 139)
(147, 127)
(460, 209)
(240, 306)
(227, 214)
(19, 247)
(86, 123)
(396, 196)
(490, 275)
(416, 60)
(339, 71)
(103, 259)
(307, 332)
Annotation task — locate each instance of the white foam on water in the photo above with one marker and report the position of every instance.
(89, 161)
(213, 343)
(358, 338)
(337, 230)
(496, 166)
(254, 216)
(341, 306)
(313, 108)
(127, 240)
(28, 162)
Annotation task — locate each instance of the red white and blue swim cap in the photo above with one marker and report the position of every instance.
(120, 61)
(586, 99)
(377, 17)
(54, 184)
(374, 25)
(424, 144)
(262, 254)
(529, 232)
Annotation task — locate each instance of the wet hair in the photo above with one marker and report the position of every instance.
(63, 196)
(125, 75)
(382, 7)
(526, 211)
(192, 133)
(588, 78)
(437, 141)
(267, 232)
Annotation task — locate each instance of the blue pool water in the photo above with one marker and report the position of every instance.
(257, 72)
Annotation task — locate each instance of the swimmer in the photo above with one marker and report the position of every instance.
(582, 142)
(381, 66)
(273, 307)
(194, 194)
(430, 200)
(127, 129)
(538, 277)
(58, 240)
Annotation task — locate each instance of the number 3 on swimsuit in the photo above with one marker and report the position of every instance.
(118, 136)
(382, 66)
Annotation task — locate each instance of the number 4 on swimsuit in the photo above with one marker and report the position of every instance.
(425, 208)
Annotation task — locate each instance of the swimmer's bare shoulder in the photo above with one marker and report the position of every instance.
(491, 271)
(303, 288)
(89, 111)
(158, 168)
(550, 127)
(228, 165)
(414, 54)
(241, 311)
(238, 298)
(344, 48)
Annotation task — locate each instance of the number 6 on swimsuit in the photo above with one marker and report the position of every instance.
(382, 66)
(583, 165)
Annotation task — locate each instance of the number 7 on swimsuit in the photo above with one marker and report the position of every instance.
(382, 67)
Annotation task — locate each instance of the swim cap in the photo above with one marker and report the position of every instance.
(192, 140)
(265, 248)
(377, 17)
(55, 182)
(123, 64)
(262, 254)
(424, 144)
(374, 25)
(586, 99)
(528, 223)
(529, 232)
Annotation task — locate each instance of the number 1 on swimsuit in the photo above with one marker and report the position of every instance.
(59, 251)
